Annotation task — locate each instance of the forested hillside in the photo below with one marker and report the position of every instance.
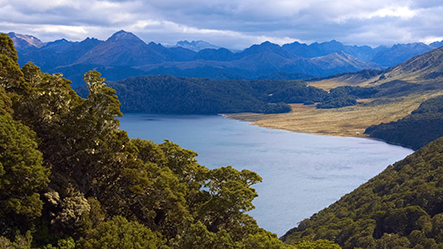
(415, 130)
(402, 207)
(70, 178)
(169, 94)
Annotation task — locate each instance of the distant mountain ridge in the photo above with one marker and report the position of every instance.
(196, 46)
(57, 53)
(25, 41)
(364, 53)
(124, 55)
(426, 68)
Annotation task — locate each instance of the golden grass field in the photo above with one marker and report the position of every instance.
(346, 121)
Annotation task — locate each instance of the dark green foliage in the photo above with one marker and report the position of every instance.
(338, 102)
(70, 178)
(19, 242)
(168, 94)
(415, 130)
(399, 208)
(346, 96)
(357, 91)
(318, 244)
(397, 88)
(265, 240)
(430, 106)
(299, 95)
(7, 47)
(276, 108)
(22, 176)
(5, 102)
(121, 233)
(11, 77)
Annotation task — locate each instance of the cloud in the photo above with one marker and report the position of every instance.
(400, 12)
(230, 23)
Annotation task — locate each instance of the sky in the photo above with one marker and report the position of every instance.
(234, 24)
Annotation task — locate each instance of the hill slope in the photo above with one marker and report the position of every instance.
(426, 68)
(423, 125)
(169, 94)
(400, 53)
(402, 207)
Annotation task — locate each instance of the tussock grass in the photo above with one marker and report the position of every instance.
(347, 121)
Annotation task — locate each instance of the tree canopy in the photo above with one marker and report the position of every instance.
(423, 125)
(70, 178)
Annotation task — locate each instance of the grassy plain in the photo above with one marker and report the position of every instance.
(346, 121)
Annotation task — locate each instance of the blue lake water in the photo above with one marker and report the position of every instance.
(302, 173)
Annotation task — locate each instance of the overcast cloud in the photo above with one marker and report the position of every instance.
(233, 24)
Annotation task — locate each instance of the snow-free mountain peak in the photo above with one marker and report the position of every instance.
(123, 36)
(25, 41)
(196, 45)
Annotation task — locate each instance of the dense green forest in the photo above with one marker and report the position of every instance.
(70, 178)
(422, 126)
(169, 94)
(402, 207)
(178, 95)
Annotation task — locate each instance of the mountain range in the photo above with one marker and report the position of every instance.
(196, 46)
(424, 69)
(125, 55)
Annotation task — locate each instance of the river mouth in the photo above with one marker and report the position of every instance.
(302, 173)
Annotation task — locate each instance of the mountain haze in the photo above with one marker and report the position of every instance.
(25, 41)
(124, 55)
(400, 53)
(57, 53)
(196, 46)
(121, 49)
(424, 69)
(364, 53)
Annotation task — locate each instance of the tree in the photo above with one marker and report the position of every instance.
(318, 244)
(11, 77)
(121, 233)
(228, 196)
(22, 176)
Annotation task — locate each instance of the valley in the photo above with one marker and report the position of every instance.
(345, 121)
(92, 169)
(268, 124)
(401, 90)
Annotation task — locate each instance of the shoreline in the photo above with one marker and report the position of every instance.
(255, 118)
(350, 121)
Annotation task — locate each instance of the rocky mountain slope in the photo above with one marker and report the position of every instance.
(426, 68)
(124, 55)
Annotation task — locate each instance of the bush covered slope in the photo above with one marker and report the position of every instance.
(415, 130)
(402, 207)
(169, 94)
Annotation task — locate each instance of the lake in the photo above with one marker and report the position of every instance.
(302, 173)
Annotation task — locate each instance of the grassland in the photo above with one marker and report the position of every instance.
(347, 121)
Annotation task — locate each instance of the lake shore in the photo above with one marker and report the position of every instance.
(295, 167)
(349, 121)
